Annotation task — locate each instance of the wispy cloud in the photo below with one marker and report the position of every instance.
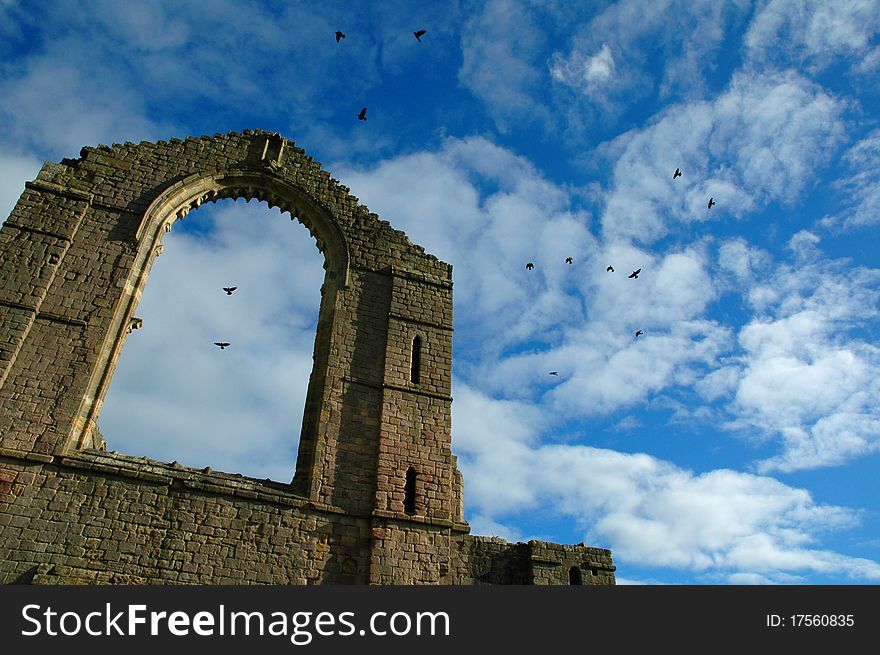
(806, 376)
(591, 73)
(814, 34)
(861, 186)
(613, 56)
(121, 73)
(500, 46)
(58, 105)
(762, 140)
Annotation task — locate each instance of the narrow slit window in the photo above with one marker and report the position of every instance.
(416, 361)
(409, 492)
(574, 575)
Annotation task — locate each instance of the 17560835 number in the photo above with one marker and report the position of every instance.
(822, 620)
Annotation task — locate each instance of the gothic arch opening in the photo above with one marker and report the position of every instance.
(175, 395)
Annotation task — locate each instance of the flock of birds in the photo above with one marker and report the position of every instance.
(224, 344)
(362, 115)
(610, 269)
(529, 266)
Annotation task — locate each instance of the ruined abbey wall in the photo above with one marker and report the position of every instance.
(376, 497)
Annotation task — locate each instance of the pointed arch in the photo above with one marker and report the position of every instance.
(173, 204)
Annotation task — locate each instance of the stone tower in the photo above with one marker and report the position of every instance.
(376, 496)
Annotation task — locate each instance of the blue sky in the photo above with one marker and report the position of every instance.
(735, 442)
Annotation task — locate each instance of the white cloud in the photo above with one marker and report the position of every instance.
(743, 262)
(498, 50)
(591, 73)
(762, 140)
(719, 383)
(602, 365)
(861, 188)
(609, 61)
(805, 377)
(487, 212)
(803, 245)
(600, 67)
(601, 379)
(724, 523)
(481, 525)
(58, 105)
(814, 33)
(145, 27)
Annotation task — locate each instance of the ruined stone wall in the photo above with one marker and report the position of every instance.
(377, 496)
(92, 515)
(95, 517)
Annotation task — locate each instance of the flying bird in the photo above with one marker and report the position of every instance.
(339, 36)
(222, 344)
(568, 260)
(635, 274)
(530, 266)
(638, 332)
(711, 202)
(229, 290)
(363, 115)
(554, 372)
(677, 173)
(610, 269)
(419, 35)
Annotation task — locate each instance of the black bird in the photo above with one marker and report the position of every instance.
(554, 372)
(339, 36)
(638, 332)
(711, 202)
(222, 344)
(530, 266)
(363, 115)
(676, 174)
(635, 274)
(229, 290)
(610, 269)
(419, 35)
(568, 260)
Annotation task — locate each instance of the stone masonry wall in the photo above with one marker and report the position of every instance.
(153, 523)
